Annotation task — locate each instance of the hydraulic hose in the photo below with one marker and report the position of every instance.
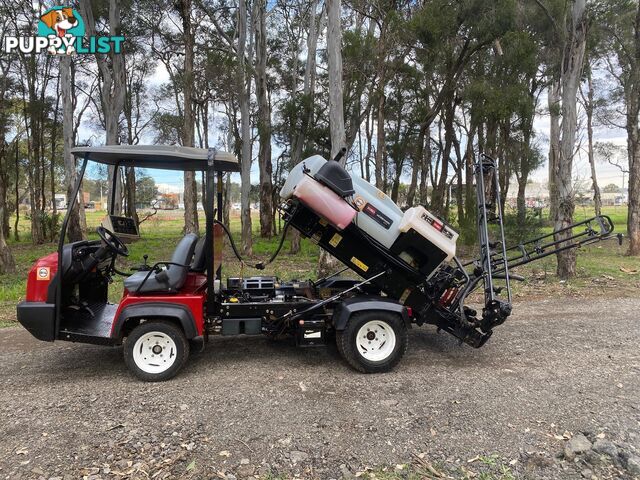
(259, 265)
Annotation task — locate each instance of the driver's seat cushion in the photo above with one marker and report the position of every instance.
(170, 280)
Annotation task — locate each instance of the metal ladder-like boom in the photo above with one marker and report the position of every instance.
(496, 260)
(489, 264)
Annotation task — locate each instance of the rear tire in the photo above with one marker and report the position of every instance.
(373, 341)
(156, 350)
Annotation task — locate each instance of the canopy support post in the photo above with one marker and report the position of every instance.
(210, 196)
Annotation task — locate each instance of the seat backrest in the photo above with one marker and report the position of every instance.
(176, 275)
(199, 257)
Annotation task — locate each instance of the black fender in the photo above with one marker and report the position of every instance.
(345, 309)
(177, 312)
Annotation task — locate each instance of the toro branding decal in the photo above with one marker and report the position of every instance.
(378, 216)
(61, 30)
(44, 273)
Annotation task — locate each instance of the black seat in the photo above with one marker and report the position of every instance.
(199, 263)
(172, 278)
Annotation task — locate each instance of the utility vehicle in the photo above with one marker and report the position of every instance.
(407, 271)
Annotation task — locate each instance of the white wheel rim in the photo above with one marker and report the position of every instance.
(376, 340)
(154, 352)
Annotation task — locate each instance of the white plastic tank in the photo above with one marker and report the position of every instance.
(377, 214)
(431, 228)
(296, 174)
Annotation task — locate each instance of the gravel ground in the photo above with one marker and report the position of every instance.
(517, 408)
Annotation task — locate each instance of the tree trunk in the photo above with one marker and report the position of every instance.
(469, 161)
(415, 170)
(34, 174)
(264, 122)
(74, 230)
(244, 87)
(553, 100)
(521, 200)
(460, 164)
(423, 189)
(52, 177)
(7, 262)
(589, 106)
(308, 102)
(308, 84)
(380, 171)
(130, 193)
(439, 190)
(633, 219)
(633, 146)
(111, 70)
(572, 63)
(334, 60)
(16, 224)
(326, 263)
(190, 186)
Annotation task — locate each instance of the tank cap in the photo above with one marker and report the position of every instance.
(334, 176)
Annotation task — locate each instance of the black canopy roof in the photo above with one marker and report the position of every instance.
(164, 157)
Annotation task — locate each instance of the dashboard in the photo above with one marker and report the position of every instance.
(124, 227)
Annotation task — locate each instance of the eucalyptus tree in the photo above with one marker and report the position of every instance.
(140, 109)
(445, 38)
(621, 25)
(296, 29)
(567, 45)
(32, 76)
(111, 75)
(334, 67)
(244, 54)
(264, 119)
(74, 230)
(7, 261)
(326, 262)
(185, 8)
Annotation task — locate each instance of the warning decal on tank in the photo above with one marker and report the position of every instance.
(360, 264)
(377, 215)
(335, 240)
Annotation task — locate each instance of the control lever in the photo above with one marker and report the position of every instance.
(144, 267)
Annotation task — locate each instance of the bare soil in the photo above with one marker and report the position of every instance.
(253, 407)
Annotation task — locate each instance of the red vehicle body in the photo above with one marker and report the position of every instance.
(192, 296)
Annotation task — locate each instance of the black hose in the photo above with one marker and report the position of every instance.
(259, 265)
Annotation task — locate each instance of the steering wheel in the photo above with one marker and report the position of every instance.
(113, 242)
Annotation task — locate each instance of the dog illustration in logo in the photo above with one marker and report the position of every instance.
(60, 21)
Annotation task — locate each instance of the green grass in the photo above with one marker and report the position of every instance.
(159, 237)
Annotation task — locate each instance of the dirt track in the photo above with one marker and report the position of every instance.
(250, 406)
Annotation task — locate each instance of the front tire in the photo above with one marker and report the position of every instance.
(156, 350)
(373, 341)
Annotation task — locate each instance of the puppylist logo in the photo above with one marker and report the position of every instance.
(61, 31)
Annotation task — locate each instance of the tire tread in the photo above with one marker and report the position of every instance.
(164, 326)
(346, 344)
